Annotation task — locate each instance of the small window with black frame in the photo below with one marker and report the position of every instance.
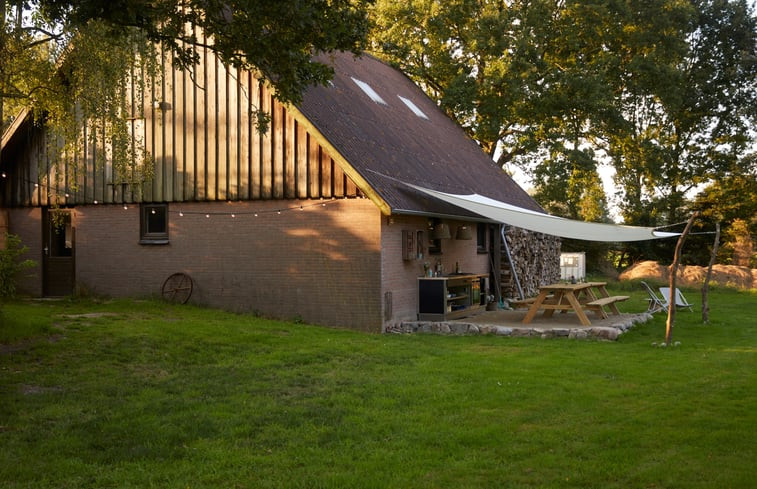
(434, 245)
(482, 241)
(153, 224)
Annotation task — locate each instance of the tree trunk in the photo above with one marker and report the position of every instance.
(706, 286)
(673, 273)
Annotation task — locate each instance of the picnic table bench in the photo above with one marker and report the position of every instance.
(597, 305)
(572, 297)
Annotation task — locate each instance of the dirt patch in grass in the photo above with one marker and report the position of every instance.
(7, 349)
(693, 276)
(90, 315)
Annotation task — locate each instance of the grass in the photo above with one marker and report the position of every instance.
(154, 395)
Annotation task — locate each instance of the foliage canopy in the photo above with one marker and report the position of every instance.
(665, 92)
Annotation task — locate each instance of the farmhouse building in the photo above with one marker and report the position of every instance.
(312, 219)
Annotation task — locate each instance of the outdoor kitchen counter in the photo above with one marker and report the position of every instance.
(450, 296)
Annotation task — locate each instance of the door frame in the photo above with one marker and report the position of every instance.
(58, 252)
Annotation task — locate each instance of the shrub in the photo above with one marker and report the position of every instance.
(10, 265)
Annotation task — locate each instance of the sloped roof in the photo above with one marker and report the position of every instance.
(388, 140)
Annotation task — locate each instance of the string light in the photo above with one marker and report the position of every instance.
(256, 213)
(182, 213)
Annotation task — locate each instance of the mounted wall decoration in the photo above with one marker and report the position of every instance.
(408, 245)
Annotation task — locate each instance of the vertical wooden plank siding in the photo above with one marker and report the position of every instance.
(179, 134)
(201, 134)
(134, 113)
(232, 139)
(191, 135)
(351, 189)
(326, 173)
(256, 146)
(169, 128)
(211, 141)
(302, 162)
(278, 149)
(266, 144)
(338, 179)
(314, 168)
(221, 135)
(243, 136)
(199, 129)
(290, 154)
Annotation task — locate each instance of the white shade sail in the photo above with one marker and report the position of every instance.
(545, 223)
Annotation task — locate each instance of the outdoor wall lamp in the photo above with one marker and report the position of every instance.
(463, 232)
(441, 231)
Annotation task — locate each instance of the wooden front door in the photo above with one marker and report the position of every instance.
(58, 253)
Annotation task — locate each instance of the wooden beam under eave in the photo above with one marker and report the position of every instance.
(346, 167)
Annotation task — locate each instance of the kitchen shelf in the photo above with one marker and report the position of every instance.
(450, 297)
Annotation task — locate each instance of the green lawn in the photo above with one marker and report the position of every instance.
(156, 395)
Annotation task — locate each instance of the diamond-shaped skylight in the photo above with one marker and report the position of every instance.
(413, 107)
(369, 91)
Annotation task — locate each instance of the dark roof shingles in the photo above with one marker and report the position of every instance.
(389, 144)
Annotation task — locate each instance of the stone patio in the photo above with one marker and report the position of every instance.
(504, 322)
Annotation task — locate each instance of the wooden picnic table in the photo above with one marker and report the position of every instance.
(578, 298)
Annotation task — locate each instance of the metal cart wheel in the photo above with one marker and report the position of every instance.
(177, 288)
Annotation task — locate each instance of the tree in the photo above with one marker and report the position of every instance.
(732, 201)
(688, 102)
(275, 39)
(664, 91)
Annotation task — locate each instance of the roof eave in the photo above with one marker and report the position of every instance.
(14, 127)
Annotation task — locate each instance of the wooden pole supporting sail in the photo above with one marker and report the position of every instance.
(706, 286)
(673, 272)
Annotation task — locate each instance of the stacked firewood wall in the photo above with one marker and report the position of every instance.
(536, 259)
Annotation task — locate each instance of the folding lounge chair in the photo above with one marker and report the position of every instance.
(655, 303)
(680, 300)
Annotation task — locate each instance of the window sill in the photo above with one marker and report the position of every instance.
(153, 241)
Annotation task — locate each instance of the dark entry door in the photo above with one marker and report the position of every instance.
(58, 252)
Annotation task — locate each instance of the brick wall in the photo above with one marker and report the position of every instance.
(320, 264)
(399, 277)
(339, 264)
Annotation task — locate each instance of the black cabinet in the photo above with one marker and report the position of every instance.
(451, 297)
